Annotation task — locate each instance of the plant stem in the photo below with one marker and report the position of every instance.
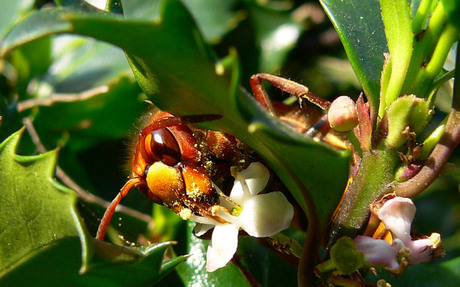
(442, 79)
(423, 48)
(426, 76)
(440, 154)
(434, 164)
(421, 16)
(308, 260)
(376, 171)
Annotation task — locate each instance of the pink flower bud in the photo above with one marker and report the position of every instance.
(342, 114)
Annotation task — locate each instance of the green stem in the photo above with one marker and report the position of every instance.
(315, 234)
(376, 171)
(441, 153)
(435, 163)
(442, 79)
(355, 142)
(386, 73)
(426, 76)
(398, 30)
(421, 16)
(432, 140)
(434, 29)
(423, 48)
(447, 39)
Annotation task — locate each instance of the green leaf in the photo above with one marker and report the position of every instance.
(274, 38)
(214, 18)
(193, 270)
(40, 228)
(426, 275)
(268, 267)
(80, 102)
(452, 9)
(142, 267)
(361, 30)
(92, 64)
(398, 29)
(10, 13)
(36, 211)
(177, 71)
(112, 265)
(86, 118)
(141, 9)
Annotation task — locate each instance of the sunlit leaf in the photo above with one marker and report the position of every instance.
(40, 228)
(10, 13)
(361, 30)
(36, 211)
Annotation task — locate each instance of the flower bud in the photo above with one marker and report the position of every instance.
(342, 114)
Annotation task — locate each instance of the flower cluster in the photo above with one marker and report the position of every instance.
(260, 215)
(397, 215)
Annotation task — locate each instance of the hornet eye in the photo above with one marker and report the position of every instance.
(163, 146)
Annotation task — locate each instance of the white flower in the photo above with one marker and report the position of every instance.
(260, 215)
(397, 214)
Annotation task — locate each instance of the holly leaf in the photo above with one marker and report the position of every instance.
(36, 211)
(360, 27)
(10, 13)
(40, 228)
(89, 116)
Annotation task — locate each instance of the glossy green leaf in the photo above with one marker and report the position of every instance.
(452, 9)
(10, 13)
(77, 4)
(36, 211)
(361, 30)
(86, 118)
(80, 101)
(275, 38)
(426, 275)
(40, 228)
(267, 266)
(177, 71)
(214, 17)
(113, 265)
(193, 270)
(81, 64)
(398, 29)
(63, 261)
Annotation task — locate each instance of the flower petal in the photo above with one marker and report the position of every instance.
(378, 251)
(421, 251)
(223, 245)
(266, 214)
(397, 215)
(201, 229)
(250, 181)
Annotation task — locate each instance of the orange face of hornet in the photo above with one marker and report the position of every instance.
(176, 164)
